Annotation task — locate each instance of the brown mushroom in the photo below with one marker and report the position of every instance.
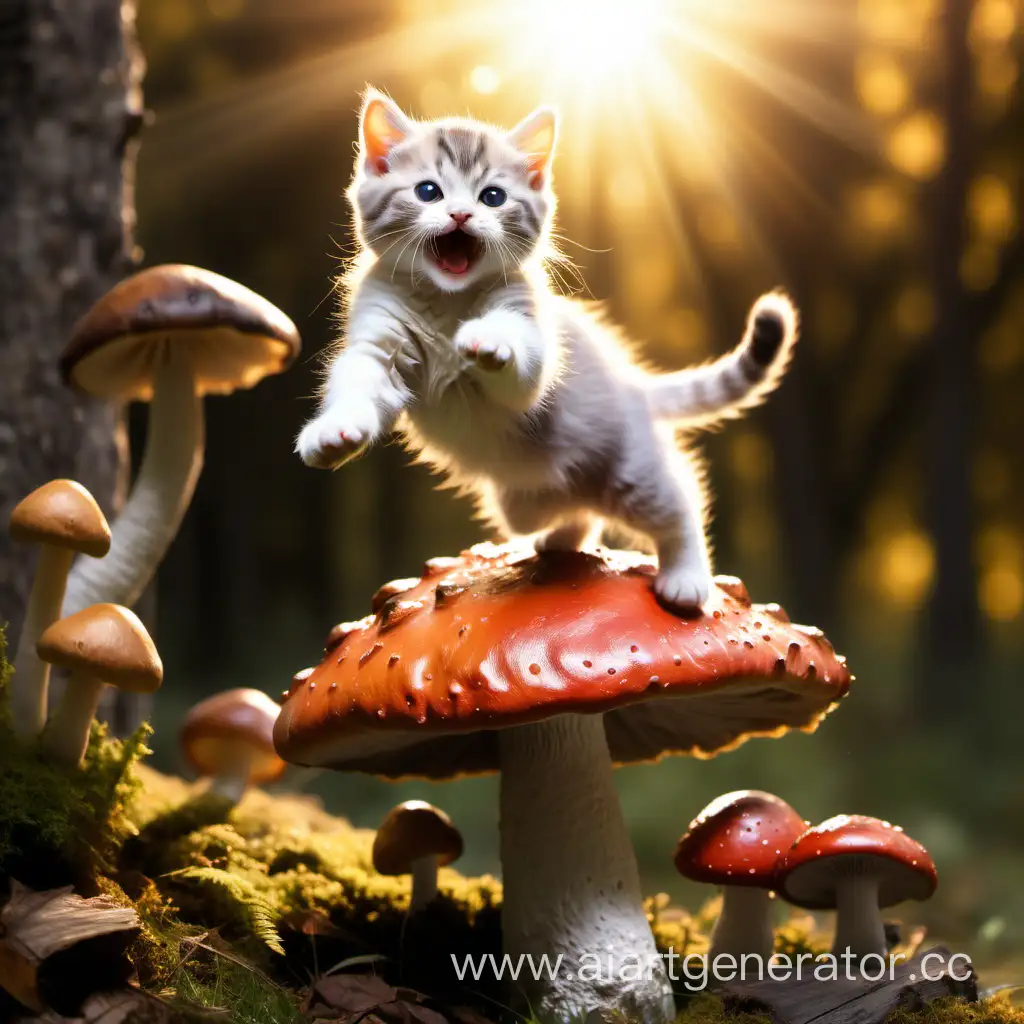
(168, 336)
(553, 667)
(735, 842)
(416, 839)
(230, 736)
(102, 644)
(62, 517)
(856, 865)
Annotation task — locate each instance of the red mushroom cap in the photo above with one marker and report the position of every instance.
(502, 636)
(809, 872)
(738, 838)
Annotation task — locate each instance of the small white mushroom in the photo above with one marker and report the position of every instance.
(416, 839)
(62, 517)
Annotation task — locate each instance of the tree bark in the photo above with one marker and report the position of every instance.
(70, 106)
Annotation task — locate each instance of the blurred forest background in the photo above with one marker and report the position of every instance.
(868, 155)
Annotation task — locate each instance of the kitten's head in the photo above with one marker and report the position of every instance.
(453, 201)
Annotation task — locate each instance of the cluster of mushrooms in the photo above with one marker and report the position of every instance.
(167, 336)
(549, 668)
(752, 844)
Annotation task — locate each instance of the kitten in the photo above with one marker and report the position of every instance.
(526, 398)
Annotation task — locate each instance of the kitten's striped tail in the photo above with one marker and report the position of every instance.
(738, 380)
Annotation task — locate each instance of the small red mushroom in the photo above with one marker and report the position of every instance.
(735, 842)
(856, 865)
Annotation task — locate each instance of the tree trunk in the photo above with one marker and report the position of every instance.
(953, 636)
(70, 105)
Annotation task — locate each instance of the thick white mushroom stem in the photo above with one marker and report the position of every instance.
(745, 923)
(67, 732)
(572, 902)
(159, 499)
(424, 882)
(31, 679)
(859, 926)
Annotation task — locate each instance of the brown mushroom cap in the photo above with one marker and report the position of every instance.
(412, 830)
(106, 642)
(235, 337)
(737, 839)
(62, 513)
(502, 636)
(216, 728)
(809, 872)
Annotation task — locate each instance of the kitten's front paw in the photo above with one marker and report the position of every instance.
(482, 348)
(683, 588)
(334, 438)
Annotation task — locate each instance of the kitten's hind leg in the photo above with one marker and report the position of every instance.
(667, 503)
(544, 513)
(579, 531)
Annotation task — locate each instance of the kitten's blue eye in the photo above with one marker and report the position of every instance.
(428, 192)
(493, 196)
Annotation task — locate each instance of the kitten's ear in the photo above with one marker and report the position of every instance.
(535, 137)
(382, 125)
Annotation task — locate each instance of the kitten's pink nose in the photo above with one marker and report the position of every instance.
(460, 218)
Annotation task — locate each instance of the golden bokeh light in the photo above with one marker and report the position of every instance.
(1001, 585)
(900, 24)
(1001, 593)
(906, 566)
(993, 21)
(917, 145)
(484, 79)
(991, 208)
(882, 85)
(877, 210)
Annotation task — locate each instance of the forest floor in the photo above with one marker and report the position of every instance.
(270, 912)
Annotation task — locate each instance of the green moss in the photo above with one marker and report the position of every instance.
(241, 906)
(61, 825)
(998, 1010)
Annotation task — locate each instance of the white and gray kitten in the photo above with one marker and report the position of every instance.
(526, 398)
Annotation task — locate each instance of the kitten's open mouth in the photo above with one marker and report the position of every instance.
(455, 251)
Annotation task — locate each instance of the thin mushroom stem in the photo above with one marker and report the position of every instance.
(424, 882)
(66, 735)
(153, 512)
(31, 679)
(233, 780)
(572, 889)
(745, 923)
(232, 787)
(859, 926)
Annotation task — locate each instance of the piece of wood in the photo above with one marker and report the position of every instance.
(59, 927)
(912, 983)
